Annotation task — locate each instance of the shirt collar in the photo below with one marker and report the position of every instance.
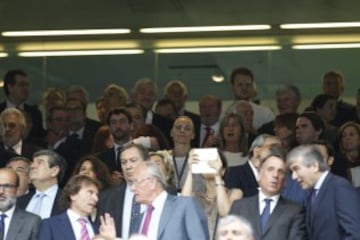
(50, 191)
(12, 105)
(274, 198)
(321, 180)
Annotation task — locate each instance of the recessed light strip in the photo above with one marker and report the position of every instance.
(80, 53)
(3, 54)
(320, 25)
(65, 32)
(217, 49)
(205, 29)
(326, 46)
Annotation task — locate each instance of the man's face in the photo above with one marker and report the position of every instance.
(120, 128)
(177, 95)
(40, 170)
(60, 122)
(246, 112)
(145, 95)
(137, 117)
(305, 176)
(142, 185)
(22, 169)
(272, 176)
(243, 87)
(305, 131)
(7, 189)
(233, 231)
(328, 111)
(287, 103)
(167, 111)
(19, 92)
(12, 130)
(76, 112)
(130, 158)
(85, 200)
(333, 86)
(209, 111)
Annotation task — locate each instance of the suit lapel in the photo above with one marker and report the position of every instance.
(169, 206)
(16, 224)
(64, 226)
(254, 211)
(278, 210)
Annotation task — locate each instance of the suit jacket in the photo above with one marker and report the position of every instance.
(286, 222)
(58, 228)
(92, 124)
(112, 201)
(35, 114)
(27, 150)
(23, 225)
(242, 177)
(24, 200)
(335, 213)
(165, 125)
(182, 218)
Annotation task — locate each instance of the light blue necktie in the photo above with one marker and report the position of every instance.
(265, 215)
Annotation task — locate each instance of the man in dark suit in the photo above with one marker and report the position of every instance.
(166, 216)
(245, 176)
(16, 88)
(119, 201)
(272, 216)
(177, 92)
(13, 125)
(78, 129)
(46, 172)
(80, 93)
(332, 210)
(18, 224)
(81, 196)
(145, 93)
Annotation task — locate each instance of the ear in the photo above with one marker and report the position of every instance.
(330, 161)
(55, 171)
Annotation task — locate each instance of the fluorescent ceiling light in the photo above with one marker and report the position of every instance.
(3, 54)
(65, 32)
(320, 25)
(80, 53)
(205, 29)
(327, 46)
(217, 49)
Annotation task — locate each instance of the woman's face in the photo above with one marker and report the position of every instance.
(87, 169)
(350, 139)
(182, 131)
(159, 162)
(232, 130)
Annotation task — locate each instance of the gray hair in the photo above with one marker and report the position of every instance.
(154, 171)
(13, 111)
(289, 88)
(231, 219)
(259, 141)
(175, 82)
(78, 89)
(309, 155)
(144, 81)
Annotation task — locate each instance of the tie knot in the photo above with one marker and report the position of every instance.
(82, 221)
(74, 135)
(267, 201)
(3, 216)
(40, 195)
(150, 209)
(208, 130)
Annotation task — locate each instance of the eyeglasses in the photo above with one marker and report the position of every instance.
(137, 182)
(7, 186)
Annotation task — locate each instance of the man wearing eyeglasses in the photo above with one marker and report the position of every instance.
(166, 216)
(14, 222)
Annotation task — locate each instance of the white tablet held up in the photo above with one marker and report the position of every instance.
(205, 155)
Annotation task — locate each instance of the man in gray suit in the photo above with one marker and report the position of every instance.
(166, 216)
(14, 222)
(272, 216)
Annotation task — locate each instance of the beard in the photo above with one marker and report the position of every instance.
(7, 203)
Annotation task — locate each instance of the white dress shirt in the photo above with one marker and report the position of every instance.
(262, 204)
(9, 213)
(76, 225)
(158, 205)
(17, 147)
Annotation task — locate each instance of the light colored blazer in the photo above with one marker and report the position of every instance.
(23, 225)
(182, 218)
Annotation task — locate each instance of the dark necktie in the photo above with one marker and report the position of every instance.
(10, 149)
(147, 220)
(207, 135)
(75, 135)
(135, 217)
(117, 158)
(265, 215)
(2, 225)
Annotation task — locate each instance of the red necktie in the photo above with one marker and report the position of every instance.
(208, 133)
